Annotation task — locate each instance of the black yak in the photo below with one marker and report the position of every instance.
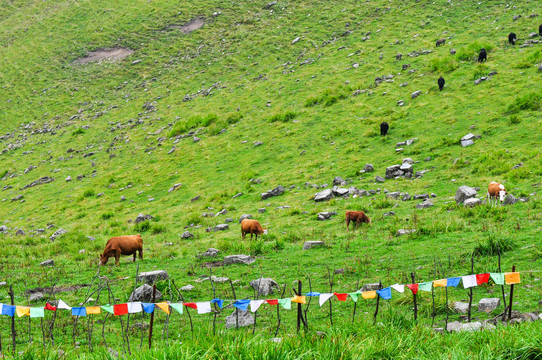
(384, 128)
(441, 83)
(482, 56)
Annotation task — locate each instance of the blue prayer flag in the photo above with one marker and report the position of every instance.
(453, 281)
(79, 311)
(313, 293)
(218, 302)
(8, 310)
(241, 304)
(384, 293)
(148, 307)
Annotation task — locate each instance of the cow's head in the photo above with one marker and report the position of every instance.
(103, 259)
(265, 231)
(502, 195)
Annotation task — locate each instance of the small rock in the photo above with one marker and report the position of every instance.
(415, 94)
(238, 259)
(187, 288)
(379, 179)
(50, 262)
(370, 287)
(174, 187)
(187, 235)
(368, 168)
(68, 178)
(57, 233)
(488, 304)
(245, 216)
(463, 193)
(144, 293)
(221, 227)
(211, 252)
(510, 200)
(461, 307)
(424, 205)
(264, 286)
(152, 276)
(295, 40)
(312, 244)
(402, 232)
(323, 195)
(472, 202)
(325, 215)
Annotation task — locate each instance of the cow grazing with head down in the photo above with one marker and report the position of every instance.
(252, 227)
(122, 245)
(512, 38)
(482, 56)
(441, 42)
(357, 217)
(384, 127)
(496, 191)
(441, 82)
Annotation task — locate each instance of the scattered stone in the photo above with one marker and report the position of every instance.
(151, 277)
(245, 216)
(323, 195)
(221, 227)
(398, 56)
(40, 181)
(242, 319)
(379, 179)
(326, 215)
(36, 296)
(472, 326)
(368, 168)
(57, 233)
(237, 195)
(257, 143)
(238, 259)
(211, 252)
(50, 262)
(370, 287)
(406, 197)
(461, 307)
(295, 40)
(279, 190)
(261, 211)
(452, 51)
(264, 286)
(463, 193)
(174, 187)
(424, 205)
(453, 326)
(488, 304)
(415, 94)
(140, 218)
(338, 181)
(472, 202)
(389, 213)
(187, 235)
(187, 288)
(510, 200)
(196, 139)
(402, 232)
(68, 178)
(337, 191)
(312, 244)
(144, 293)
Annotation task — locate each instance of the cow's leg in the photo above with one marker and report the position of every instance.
(347, 223)
(256, 236)
(243, 234)
(117, 256)
(251, 235)
(140, 254)
(135, 252)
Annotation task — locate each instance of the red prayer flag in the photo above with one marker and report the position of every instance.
(272, 301)
(49, 307)
(191, 305)
(482, 278)
(341, 297)
(413, 287)
(120, 309)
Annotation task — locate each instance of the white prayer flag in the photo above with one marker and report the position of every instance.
(134, 307)
(255, 305)
(469, 281)
(204, 307)
(1, 305)
(63, 305)
(324, 297)
(397, 287)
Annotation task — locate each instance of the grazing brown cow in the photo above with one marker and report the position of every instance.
(251, 226)
(496, 191)
(122, 245)
(357, 217)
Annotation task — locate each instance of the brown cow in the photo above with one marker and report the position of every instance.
(496, 191)
(251, 226)
(357, 217)
(122, 245)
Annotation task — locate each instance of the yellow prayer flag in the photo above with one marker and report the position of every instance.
(442, 282)
(164, 306)
(299, 299)
(368, 294)
(511, 278)
(92, 310)
(22, 311)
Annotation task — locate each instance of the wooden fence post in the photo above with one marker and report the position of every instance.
(152, 314)
(510, 302)
(413, 276)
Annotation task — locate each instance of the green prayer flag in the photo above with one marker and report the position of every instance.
(286, 303)
(498, 278)
(355, 295)
(36, 312)
(108, 308)
(426, 286)
(178, 307)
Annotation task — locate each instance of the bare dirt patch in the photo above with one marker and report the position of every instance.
(189, 26)
(57, 289)
(116, 53)
(212, 264)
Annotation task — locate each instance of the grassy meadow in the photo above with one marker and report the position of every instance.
(205, 81)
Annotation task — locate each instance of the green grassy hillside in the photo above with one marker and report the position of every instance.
(202, 82)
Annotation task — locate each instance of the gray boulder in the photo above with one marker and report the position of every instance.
(49, 262)
(370, 287)
(245, 216)
(368, 168)
(466, 143)
(187, 288)
(151, 277)
(140, 218)
(312, 244)
(242, 319)
(463, 193)
(415, 94)
(424, 205)
(393, 195)
(461, 307)
(510, 200)
(144, 293)
(337, 191)
(325, 215)
(472, 202)
(187, 235)
(324, 195)
(279, 190)
(238, 259)
(338, 181)
(211, 252)
(488, 304)
(175, 186)
(379, 179)
(57, 233)
(402, 232)
(264, 286)
(221, 227)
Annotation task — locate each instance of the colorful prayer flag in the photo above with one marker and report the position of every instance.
(22, 311)
(93, 310)
(204, 307)
(441, 282)
(399, 288)
(469, 281)
(286, 303)
(79, 311)
(384, 293)
(108, 308)
(242, 304)
(413, 287)
(164, 306)
(313, 293)
(8, 310)
(120, 309)
(255, 305)
(341, 297)
(191, 305)
(36, 312)
(324, 297)
(511, 278)
(355, 295)
(63, 305)
(272, 301)
(134, 307)
(177, 306)
(482, 278)
(148, 307)
(498, 278)
(50, 307)
(426, 286)
(368, 294)
(218, 302)
(300, 299)
(453, 281)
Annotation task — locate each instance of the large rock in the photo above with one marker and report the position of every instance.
(144, 293)
(279, 190)
(338, 181)
(370, 287)
(186, 235)
(415, 94)
(264, 286)
(337, 191)
(312, 244)
(472, 202)
(424, 205)
(151, 277)
(57, 233)
(489, 304)
(368, 168)
(325, 215)
(211, 252)
(238, 259)
(140, 218)
(245, 216)
(242, 319)
(43, 180)
(221, 227)
(510, 200)
(461, 307)
(463, 193)
(323, 195)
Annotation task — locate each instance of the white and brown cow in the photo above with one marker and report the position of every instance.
(496, 191)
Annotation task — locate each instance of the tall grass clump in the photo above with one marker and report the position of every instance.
(531, 101)
(192, 123)
(283, 117)
(492, 246)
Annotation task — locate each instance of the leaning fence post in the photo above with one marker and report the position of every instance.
(414, 297)
(377, 301)
(13, 333)
(470, 290)
(152, 314)
(511, 297)
(502, 286)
